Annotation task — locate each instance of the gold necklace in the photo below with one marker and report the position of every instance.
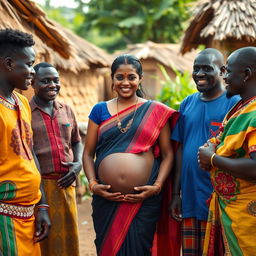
(119, 124)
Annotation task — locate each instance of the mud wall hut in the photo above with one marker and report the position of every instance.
(78, 61)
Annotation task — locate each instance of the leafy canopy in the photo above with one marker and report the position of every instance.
(112, 24)
(133, 21)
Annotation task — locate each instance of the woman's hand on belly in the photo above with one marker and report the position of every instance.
(102, 190)
(143, 193)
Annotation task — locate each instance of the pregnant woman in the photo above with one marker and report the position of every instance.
(131, 139)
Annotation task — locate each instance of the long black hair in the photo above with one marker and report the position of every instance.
(130, 60)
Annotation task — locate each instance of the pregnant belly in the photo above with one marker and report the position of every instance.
(124, 171)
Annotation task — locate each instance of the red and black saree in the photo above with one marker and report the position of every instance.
(126, 228)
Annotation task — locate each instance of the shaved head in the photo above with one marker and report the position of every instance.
(246, 57)
(240, 75)
(218, 58)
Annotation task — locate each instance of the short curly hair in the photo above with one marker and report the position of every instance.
(12, 40)
(43, 65)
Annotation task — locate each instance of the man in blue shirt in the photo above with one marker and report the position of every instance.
(200, 119)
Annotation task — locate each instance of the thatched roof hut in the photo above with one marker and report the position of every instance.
(154, 54)
(77, 61)
(223, 24)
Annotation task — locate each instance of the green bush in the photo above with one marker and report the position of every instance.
(174, 91)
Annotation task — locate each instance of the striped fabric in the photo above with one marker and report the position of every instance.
(53, 136)
(8, 236)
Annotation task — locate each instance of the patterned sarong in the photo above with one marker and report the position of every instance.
(232, 214)
(125, 228)
(63, 237)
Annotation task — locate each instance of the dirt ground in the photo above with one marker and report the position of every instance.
(86, 231)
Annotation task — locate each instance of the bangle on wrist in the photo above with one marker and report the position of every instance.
(92, 183)
(42, 207)
(213, 155)
(159, 186)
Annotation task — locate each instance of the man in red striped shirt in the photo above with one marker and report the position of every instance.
(58, 147)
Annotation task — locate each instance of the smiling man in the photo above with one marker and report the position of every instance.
(200, 119)
(231, 161)
(20, 229)
(59, 152)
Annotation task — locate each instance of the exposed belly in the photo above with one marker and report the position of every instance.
(124, 171)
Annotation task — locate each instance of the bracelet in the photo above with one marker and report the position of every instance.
(42, 207)
(159, 187)
(213, 155)
(92, 184)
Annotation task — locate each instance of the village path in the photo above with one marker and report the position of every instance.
(86, 231)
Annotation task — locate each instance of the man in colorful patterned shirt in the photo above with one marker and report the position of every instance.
(231, 159)
(20, 229)
(59, 152)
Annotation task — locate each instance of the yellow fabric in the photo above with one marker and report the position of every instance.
(24, 232)
(233, 202)
(19, 177)
(63, 237)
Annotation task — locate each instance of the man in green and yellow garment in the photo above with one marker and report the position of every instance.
(20, 228)
(231, 159)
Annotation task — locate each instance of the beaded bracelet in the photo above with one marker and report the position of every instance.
(213, 155)
(92, 184)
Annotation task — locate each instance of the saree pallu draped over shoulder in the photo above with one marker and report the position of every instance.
(232, 213)
(128, 228)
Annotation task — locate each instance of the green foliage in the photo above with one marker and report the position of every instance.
(109, 42)
(174, 91)
(67, 17)
(132, 21)
(112, 24)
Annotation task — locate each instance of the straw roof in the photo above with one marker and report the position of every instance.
(54, 44)
(166, 54)
(221, 20)
(91, 55)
